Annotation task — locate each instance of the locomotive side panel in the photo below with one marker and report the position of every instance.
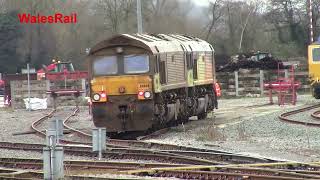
(175, 67)
(205, 72)
(209, 66)
(314, 68)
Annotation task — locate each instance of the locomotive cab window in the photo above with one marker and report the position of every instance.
(163, 73)
(316, 54)
(136, 64)
(106, 65)
(195, 68)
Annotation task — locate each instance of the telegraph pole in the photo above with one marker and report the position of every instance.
(311, 21)
(139, 16)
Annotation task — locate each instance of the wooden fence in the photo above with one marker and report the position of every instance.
(19, 91)
(250, 82)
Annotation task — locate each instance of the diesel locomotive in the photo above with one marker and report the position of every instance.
(314, 67)
(140, 82)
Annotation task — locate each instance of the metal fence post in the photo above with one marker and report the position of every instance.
(53, 166)
(236, 79)
(84, 87)
(99, 141)
(57, 126)
(261, 83)
(29, 88)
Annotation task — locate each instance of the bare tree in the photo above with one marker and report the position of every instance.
(216, 12)
(113, 13)
(245, 23)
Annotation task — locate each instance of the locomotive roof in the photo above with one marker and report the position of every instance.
(156, 43)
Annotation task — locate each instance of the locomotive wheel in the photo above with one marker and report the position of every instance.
(202, 116)
(316, 93)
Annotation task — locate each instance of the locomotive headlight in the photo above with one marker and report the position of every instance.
(147, 94)
(96, 97)
(140, 93)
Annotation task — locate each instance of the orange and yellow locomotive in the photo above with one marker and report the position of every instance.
(314, 67)
(143, 81)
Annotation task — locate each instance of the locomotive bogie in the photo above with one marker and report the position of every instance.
(123, 113)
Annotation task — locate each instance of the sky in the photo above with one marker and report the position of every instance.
(206, 2)
(201, 2)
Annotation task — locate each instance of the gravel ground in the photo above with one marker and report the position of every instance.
(19, 121)
(249, 126)
(14, 121)
(245, 125)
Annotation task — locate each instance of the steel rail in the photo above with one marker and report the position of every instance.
(203, 155)
(217, 158)
(229, 173)
(154, 134)
(39, 121)
(230, 158)
(141, 144)
(40, 133)
(76, 131)
(80, 164)
(118, 153)
(316, 115)
(285, 116)
(185, 151)
(36, 174)
(279, 166)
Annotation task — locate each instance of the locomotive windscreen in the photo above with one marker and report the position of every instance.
(316, 54)
(136, 64)
(111, 65)
(106, 65)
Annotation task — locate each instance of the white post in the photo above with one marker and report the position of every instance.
(286, 74)
(139, 16)
(99, 141)
(28, 74)
(236, 79)
(261, 83)
(84, 87)
(53, 157)
(100, 146)
(311, 21)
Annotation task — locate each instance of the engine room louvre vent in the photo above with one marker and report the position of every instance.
(144, 85)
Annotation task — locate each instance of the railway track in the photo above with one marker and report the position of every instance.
(180, 157)
(118, 153)
(39, 121)
(294, 171)
(212, 155)
(138, 150)
(8, 174)
(286, 116)
(224, 173)
(35, 126)
(37, 164)
(283, 170)
(316, 115)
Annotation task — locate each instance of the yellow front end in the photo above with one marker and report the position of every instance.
(122, 103)
(121, 85)
(314, 62)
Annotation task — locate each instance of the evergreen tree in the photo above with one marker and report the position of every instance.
(10, 32)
